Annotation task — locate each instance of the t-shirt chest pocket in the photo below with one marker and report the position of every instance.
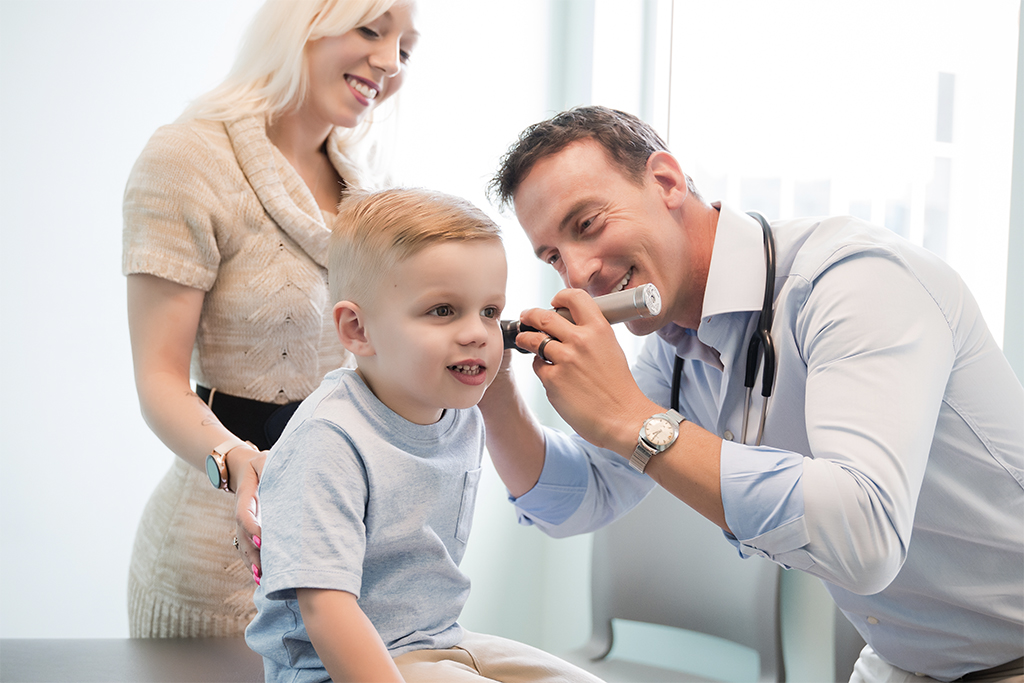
(470, 484)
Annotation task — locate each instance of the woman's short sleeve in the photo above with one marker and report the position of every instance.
(176, 193)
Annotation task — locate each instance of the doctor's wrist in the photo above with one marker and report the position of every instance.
(628, 427)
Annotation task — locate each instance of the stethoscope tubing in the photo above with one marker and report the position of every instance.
(761, 344)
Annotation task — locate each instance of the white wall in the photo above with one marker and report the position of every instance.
(84, 84)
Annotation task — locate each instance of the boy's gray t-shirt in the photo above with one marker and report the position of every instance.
(355, 498)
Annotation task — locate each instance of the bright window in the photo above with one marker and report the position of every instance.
(897, 112)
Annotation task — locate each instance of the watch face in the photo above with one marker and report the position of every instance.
(213, 471)
(659, 431)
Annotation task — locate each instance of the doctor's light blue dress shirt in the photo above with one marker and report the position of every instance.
(892, 464)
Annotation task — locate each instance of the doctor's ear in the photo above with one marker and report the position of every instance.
(664, 170)
(350, 324)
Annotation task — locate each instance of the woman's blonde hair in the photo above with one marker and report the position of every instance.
(270, 74)
(374, 231)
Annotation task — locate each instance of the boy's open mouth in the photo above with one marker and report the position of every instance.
(467, 369)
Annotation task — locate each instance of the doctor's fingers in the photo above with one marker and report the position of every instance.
(538, 343)
(581, 306)
(547, 321)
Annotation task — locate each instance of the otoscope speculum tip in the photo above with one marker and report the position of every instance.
(651, 302)
(628, 304)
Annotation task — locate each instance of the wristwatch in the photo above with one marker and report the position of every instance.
(217, 464)
(658, 433)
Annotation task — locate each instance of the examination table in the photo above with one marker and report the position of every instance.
(149, 660)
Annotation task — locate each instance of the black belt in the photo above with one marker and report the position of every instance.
(1016, 667)
(250, 420)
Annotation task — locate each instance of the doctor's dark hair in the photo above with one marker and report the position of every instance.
(627, 140)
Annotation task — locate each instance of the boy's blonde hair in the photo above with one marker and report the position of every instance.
(374, 231)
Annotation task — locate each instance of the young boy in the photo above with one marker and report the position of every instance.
(367, 499)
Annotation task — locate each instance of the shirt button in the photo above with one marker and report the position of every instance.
(872, 621)
(728, 435)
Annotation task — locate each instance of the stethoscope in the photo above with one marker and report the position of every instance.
(762, 337)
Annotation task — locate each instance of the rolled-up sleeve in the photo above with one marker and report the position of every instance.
(581, 488)
(877, 352)
(764, 503)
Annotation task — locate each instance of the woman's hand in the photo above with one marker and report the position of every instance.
(247, 526)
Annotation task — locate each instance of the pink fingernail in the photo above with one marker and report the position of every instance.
(256, 541)
(256, 575)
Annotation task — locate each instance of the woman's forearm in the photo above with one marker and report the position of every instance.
(163, 317)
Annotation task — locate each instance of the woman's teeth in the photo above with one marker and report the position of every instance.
(361, 88)
(467, 369)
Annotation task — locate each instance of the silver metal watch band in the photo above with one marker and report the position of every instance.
(641, 456)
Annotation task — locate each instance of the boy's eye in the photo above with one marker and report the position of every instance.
(551, 259)
(491, 312)
(406, 56)
(443, 311)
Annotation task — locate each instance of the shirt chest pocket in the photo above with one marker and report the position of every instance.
(470, 484)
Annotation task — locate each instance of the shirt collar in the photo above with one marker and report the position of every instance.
(736, 276)
(735, 282)
(688, 346)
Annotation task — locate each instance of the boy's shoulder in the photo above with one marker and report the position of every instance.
(345, 406)
(332, 401)
(322, 425)
(341, 399)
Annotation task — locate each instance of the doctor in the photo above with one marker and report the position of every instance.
(891, 463)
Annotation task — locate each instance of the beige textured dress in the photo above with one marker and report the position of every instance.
(217, 207)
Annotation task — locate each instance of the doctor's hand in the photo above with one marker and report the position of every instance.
(586, 374)
(247, 527)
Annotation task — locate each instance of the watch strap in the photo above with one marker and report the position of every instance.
(641, 456)
(217, 464)
(233, 442)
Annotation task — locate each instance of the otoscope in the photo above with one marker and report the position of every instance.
(618, 307)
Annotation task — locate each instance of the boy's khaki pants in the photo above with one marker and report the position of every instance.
(480, 658)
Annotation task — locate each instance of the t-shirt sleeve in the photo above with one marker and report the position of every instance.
(313, 497)
(174, 192)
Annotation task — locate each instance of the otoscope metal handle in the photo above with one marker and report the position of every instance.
(618, 307)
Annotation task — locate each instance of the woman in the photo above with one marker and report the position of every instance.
(225, 240)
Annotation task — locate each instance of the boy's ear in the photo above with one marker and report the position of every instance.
(349, 323)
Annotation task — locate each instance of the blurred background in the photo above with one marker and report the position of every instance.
(901, 113)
